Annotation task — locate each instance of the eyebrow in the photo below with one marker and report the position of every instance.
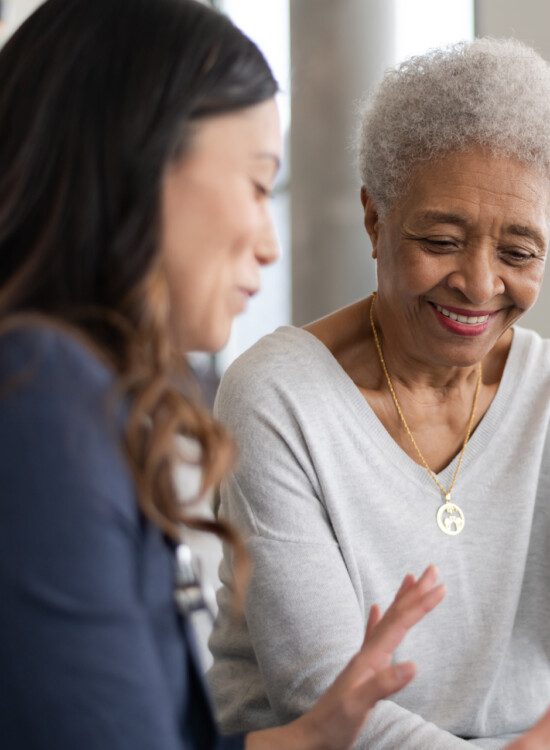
(442, 217)
(519, 230)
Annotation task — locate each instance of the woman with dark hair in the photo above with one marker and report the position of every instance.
(139, 140)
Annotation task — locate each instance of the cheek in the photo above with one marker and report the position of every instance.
(183, 299)
(195, 286)
(410, 271)
(524, 287)
(202, 303)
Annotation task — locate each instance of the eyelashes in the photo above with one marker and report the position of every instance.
(262, 191)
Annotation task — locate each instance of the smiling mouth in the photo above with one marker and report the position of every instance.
(470, 320)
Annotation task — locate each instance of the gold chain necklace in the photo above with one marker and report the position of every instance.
(450, 518)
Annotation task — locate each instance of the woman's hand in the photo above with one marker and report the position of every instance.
(336, 719)
(537, 738)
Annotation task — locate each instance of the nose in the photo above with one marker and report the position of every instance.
(478, 275)
(267, 248)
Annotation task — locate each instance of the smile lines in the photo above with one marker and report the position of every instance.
(467, 319)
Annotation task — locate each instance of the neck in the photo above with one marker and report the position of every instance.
(418, 376)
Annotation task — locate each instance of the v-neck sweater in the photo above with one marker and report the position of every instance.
(335, 513)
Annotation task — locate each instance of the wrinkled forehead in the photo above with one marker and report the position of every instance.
(473, 188)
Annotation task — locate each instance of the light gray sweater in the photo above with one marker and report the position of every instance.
(335, 513)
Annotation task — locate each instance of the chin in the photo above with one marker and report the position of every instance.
(214, 340)
(204, 335)
(465, 356)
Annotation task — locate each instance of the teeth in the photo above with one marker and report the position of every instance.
(469, 320)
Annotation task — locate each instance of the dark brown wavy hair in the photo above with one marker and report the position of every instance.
(97, 99)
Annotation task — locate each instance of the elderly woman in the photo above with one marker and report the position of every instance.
(411, 424)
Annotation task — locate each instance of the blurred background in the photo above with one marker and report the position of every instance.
(327, 55)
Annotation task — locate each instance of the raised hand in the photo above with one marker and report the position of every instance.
(336, 719)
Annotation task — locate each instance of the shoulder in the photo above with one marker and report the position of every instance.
(531, 352)
(343, 328)
(60, 431)
(525, 383)
(280, 366)
(34, 357)
(275, 351)
(56, 374)
(53, 383)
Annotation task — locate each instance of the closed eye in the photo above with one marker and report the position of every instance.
(442, 244)
(517, 256)
(435, 243)
(262, 191)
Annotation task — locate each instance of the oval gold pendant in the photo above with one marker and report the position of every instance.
(450, 519)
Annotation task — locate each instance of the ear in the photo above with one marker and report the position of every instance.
(370, 219)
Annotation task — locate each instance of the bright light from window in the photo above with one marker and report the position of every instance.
(424, 24)
(267, 23)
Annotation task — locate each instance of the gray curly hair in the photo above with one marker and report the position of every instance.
(491, 92)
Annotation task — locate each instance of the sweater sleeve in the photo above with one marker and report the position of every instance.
(303, 620)
(80, 665)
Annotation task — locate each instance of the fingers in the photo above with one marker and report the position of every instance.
(537, 738)
(406, 584)
(413, 602)
(428, 578)
(375, 615)
(417, 600)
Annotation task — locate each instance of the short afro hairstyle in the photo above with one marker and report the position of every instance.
(493, 93)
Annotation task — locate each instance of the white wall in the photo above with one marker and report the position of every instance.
(529, 21)
(267, 23)
(15, 12)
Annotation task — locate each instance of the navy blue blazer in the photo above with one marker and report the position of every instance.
(93, 654)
